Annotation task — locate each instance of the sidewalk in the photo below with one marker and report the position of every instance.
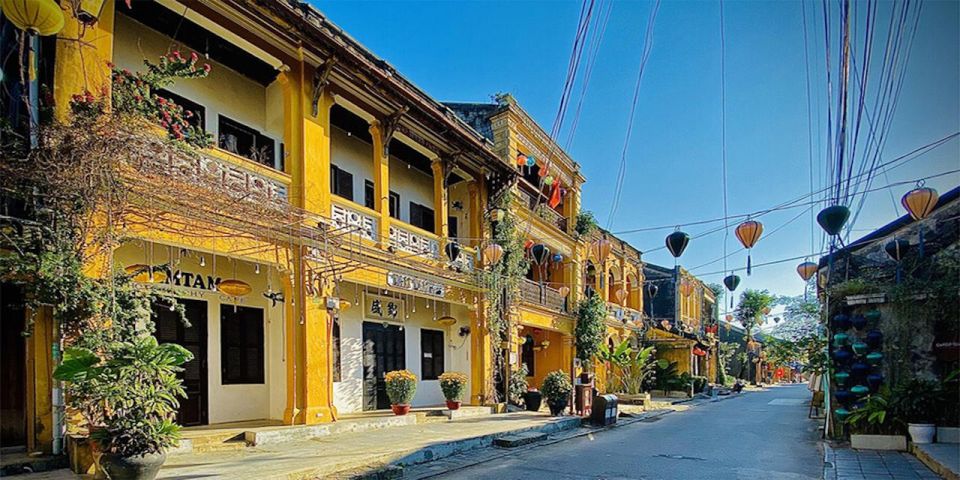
(849, 464)
(943, 458)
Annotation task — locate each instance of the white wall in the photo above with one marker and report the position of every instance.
(412, 184)
(460, 192)
(353, 155)
(224, 91)
(228, 403)
(348, 393)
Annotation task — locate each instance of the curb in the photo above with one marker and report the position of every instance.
(933, 464)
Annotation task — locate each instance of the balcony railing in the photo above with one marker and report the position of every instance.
(541, 295)
(348, 218)
(540, 208)
(411, 240)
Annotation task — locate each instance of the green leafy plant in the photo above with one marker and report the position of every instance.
(556, 387)
(518, 384)
(129, 391)
(590, 328)
(725, 352)
(401, 386)
(628, 369)
(453, 384)
(699, 383)
(750, 310)
(615, 360)
(586, 224)
(667, 376)
(917, 401)
(874, 417)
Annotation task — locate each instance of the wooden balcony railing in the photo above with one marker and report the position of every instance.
(541, 295)
(528, 198)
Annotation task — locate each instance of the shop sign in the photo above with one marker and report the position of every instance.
(383, 308)
(181, 278)
(408, 282)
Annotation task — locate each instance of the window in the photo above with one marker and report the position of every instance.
(336, 348)
(527, 355)
(368, 195)
(241, 344)
(341, 182)
(240, 139)
(431, 351)
(394, 205)
(199, 112)
(421, 216)
(452, 230)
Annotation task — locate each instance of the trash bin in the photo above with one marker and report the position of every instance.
(604, 410)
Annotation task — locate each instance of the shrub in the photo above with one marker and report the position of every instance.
(699, 383)
(556, 387)
(590, 327)
(586, 224)
(134, 386)
(453, 384)
(518, 384)
(916, 401)
(401, 386)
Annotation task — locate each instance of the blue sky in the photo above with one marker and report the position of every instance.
(467, 51)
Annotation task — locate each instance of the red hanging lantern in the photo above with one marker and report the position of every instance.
(521, 160)
(749, 233)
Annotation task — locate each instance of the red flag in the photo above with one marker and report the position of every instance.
(555, 195)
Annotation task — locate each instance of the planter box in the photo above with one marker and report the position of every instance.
(948, 434)
(638, 399)
(879, 442)
(866, 299)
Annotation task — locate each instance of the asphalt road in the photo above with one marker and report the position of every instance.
(760, 435)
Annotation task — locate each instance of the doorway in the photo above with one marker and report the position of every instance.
(13, 375)
(193, 409)
(383, 351)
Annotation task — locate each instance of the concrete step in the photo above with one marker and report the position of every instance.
(519, 439)
(275, 435)
(229, 446)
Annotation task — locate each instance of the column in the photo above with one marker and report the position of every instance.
(440, 204)
(476, 215)
(381, 184)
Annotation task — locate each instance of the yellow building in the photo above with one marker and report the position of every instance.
(326, 237)
(546, 201)
(684, 314)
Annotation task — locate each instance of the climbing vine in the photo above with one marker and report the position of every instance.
(501, 282)
(590, 328)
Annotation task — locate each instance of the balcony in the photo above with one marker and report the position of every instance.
(346, 215)
(550, 298)
(529, 198)
(413, 240)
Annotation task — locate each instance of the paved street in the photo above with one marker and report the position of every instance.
(762, 435)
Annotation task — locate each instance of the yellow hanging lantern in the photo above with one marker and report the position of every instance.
(620, 294)
(686, 288)
(446, 320)
(749, 233)
(145, 273)
(492, 254)
(38, 17)
(564, 290)
(806, 270)
(344, 305)
(766, 310)
(234, 288)
(920, 201)
(602, 249)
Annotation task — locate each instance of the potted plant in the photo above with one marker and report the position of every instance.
(916, 403)
(130, 389)
(872, 426)
(453, 384)
(532, 399)
(518, 385)
(401, 387)
(556, 388)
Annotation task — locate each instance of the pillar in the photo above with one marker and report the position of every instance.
(381, 184)
(81, 61)
(440, 203)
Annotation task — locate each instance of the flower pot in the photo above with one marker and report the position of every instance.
(841, 322)
(400, 409)
(874, 338)
(557, 406)
(451, 405)
(874, 358)
(922, 432)
(859, 322)
(859, 390)
(859, 348)
(948, 434)
(140, 467)
(841, 378)
(532, 400)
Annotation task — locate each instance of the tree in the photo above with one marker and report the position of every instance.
(750, 311)
(590, 328)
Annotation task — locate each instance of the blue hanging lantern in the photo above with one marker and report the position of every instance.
(539, 253)
(842, 356)
(531, 161)
(557, 258)
(731, 282)
(841, 378)
(843, 396)
(833, 218)
(874, 358)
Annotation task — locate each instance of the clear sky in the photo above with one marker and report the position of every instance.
(467, 51)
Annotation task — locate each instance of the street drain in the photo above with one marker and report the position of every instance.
(680, 457)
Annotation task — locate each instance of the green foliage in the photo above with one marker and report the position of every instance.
(854, 286)
(590, 328)
(749, 311)
(627, 369)
(667, 377)
(872, 418)
(501, 282)
(453, 384)
(130, 392)
(401, 386)
(699, 383)
(556, 387)
(718, 290)
(725, 352)
(586, 224)
(518, 384)
(917, 401)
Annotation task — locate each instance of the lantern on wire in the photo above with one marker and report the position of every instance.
(564, 291)
(652, 289)
(452, 250)
(897, 249)
(601, 248)
(492, 254)
(920, 203)
(539, 254)
(497, 215)
(806, 270)
(521, 160)
(677, 242)
(548, 180)
(749, 233)
(731, 282)
(833, 218)
(531, 161)
(621, 294)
